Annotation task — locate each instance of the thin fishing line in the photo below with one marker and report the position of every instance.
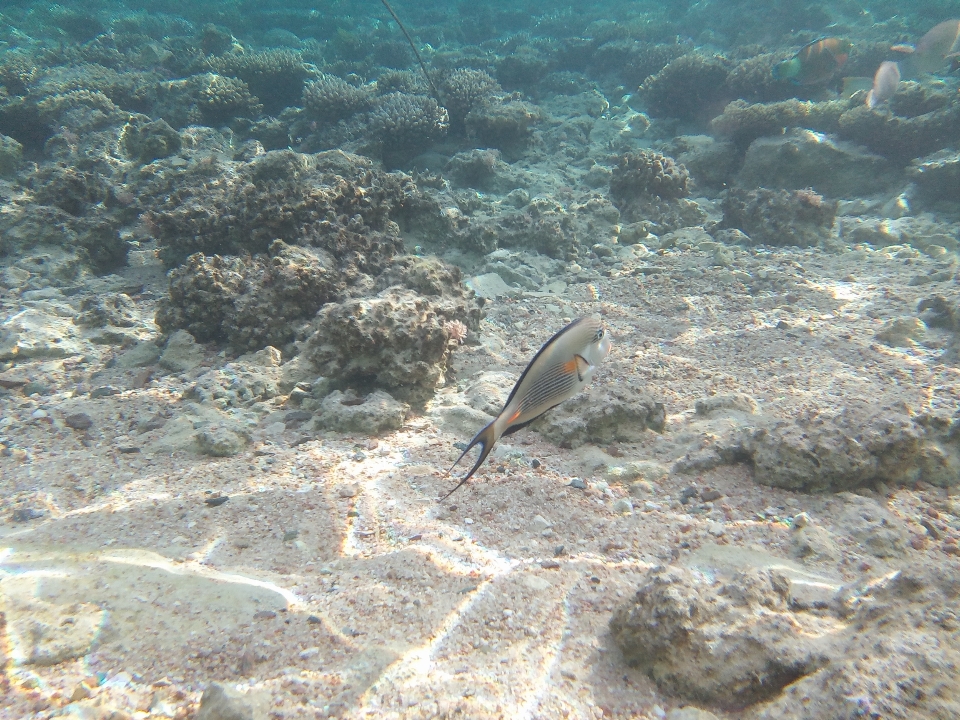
(436, 93)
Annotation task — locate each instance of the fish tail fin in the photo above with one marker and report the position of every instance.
(485, 439)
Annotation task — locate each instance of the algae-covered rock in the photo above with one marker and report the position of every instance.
(394, 341)
(332, 201)
(603, 414)
(506, 126)
(34, 333)
(147, 140)
(223, 703)
(805, 158)
(97, 311)
(372, 414)
(732, 643)
(780, 217)
(873, 526)
(854, 447)
(55, 633)
(938, 175)
(11, 153)
(221, 441)
(182, 353)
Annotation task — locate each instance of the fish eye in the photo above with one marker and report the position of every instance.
(600, 334)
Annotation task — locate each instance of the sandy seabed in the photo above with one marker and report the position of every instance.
(332, 583)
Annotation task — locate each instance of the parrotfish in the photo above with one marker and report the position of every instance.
(885, 83)
(815, 62)
(560, 369)
(941, 43)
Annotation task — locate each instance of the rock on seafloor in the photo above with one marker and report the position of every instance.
(49, 633)
(219, 441)
(370, 415)
(222, 703)
(805, 158)
(182, 353)
(34, 333)
(734, 643)
(603, 415)
(745, 643)
(853, 446)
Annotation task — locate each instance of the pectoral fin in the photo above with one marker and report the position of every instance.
(582, 366)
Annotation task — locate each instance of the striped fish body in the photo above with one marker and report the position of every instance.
(563, 367)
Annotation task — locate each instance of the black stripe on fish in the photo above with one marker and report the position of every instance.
(552, 383)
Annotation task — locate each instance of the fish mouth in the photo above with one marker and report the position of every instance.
(605, 346)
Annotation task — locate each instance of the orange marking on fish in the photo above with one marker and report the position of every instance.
(570, 366)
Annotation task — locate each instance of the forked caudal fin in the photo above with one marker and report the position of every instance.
(485, 439)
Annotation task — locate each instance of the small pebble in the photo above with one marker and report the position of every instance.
(80, 692)
(296, 416)
(710, 495)
(348, 491)
(558, 551)
(215, 501)
(578, 484)
(612, 545)
(78, 421)
(716, 529)
(930, 528)
(26, 514)
(687, 493)
(550, 564)
(39, 414)
(535, 463)
(623, 506)
(264, 615)
(104, 391)
(801, 520)
(290, 535)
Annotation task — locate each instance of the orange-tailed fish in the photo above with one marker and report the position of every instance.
(815, 62)
(560, 369)
(941, 43)
(885, 83)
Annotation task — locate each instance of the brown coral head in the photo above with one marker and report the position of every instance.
(809, 198)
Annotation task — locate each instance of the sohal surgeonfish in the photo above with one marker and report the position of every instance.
(559, 370)
(815, 62)
(940, 44)
(885, 84)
